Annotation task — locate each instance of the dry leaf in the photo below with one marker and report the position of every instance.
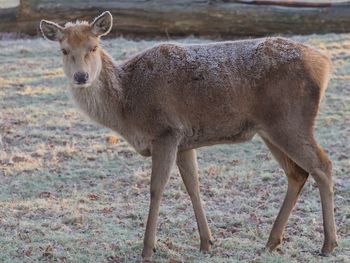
(93, 197)
(45, 195)
(112, 139)
(48, 251)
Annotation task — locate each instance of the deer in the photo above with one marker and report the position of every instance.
(171, 99)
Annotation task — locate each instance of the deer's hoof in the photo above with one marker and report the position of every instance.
(273, 243)
(147, 253)
(328, 248)
(206, 245)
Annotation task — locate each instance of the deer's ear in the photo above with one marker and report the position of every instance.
(51, 30)
(102, 24)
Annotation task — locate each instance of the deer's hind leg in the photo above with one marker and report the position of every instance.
(301, 147)
(296, 180)
(187, 163)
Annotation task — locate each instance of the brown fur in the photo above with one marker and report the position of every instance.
(76, 36)
(170, 99)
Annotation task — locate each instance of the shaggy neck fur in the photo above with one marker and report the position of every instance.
(103, 96)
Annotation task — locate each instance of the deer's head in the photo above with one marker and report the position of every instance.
(79, 44)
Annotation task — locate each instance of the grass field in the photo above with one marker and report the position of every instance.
(69, 194)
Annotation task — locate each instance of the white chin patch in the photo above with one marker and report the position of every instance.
(80, 86)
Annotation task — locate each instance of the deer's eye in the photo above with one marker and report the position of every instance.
(93, 49)
(64, 52)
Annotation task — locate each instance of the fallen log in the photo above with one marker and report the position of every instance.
(8, 18)
(213, 18)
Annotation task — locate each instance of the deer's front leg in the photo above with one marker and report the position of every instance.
(163, 157)
(187, 163)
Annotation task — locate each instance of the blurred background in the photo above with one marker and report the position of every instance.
(72, 191)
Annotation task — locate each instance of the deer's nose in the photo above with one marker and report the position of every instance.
(81, 77)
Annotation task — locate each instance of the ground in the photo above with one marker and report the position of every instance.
(72, 192)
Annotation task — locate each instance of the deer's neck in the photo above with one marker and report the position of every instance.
(101, 100)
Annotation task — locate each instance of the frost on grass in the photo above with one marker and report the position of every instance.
(70, 193)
